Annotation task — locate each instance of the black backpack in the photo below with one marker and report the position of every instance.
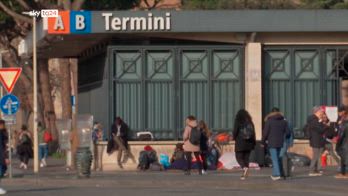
(247, 132)
(195, 136)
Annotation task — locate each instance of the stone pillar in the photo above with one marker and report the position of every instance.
(253, 84)
(344, 92)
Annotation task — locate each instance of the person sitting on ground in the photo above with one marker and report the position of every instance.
(178, 154)
(148, 159)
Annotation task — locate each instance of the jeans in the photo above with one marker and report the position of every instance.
(276, 162)
(316, 160)
(43, 151)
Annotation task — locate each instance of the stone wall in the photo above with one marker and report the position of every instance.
(167, 147)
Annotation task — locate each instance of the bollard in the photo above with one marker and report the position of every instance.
(83, 162)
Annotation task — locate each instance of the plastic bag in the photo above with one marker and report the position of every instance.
(164, 161)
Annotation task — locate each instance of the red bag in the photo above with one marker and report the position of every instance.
(222, 138)
(47, 137)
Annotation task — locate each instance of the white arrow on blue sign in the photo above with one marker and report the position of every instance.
(9, 104)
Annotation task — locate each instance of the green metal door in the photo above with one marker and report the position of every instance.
(211, 86)
(297, 78)
(155, 88)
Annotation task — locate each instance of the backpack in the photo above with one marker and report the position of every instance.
(195, 136)
(247, 132)
(47, 137)
(306, 131)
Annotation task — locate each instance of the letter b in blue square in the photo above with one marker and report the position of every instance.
(80, 22)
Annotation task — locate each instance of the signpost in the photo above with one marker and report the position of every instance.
(9, 77)
(9, 105)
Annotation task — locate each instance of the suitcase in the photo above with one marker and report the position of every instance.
(259, 154)
(287, 166)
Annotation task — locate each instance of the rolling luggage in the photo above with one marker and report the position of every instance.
(287, 166)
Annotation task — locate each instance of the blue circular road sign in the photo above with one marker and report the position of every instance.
(9, 104)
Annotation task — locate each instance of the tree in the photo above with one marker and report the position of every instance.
(265, 4)
(238, 4)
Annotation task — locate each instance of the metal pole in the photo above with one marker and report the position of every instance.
(36, 145)
(10, 150)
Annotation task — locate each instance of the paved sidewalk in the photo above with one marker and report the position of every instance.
(54, 180)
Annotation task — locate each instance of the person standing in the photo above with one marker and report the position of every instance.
(342, 145)
(329, 135)
(4, 161)
(44, 138)
(276, 130)
(288, 141)
(25, 147)
(245, 140)
(192, 143)
(119, 131)
(316, 130)
(97, 136)
(204, 147)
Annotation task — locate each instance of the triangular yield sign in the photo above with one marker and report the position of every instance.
(9, 77)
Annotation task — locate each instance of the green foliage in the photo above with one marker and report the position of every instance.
(265, 4)
(321, 4)
(58, 155)
(238, 4)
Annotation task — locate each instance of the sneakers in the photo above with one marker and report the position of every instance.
(43, 163)
(204, 172)
(21, 165)
(2, 191)
(245, 173)
(275, 178)
(313, 174)
(341, 176)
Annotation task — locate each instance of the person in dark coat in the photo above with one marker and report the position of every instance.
(25, 147)
(243, 146)
(316, 130)
(3, 152)
(205, 135)
(119, 131)
(276, 130)
(342, 146)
